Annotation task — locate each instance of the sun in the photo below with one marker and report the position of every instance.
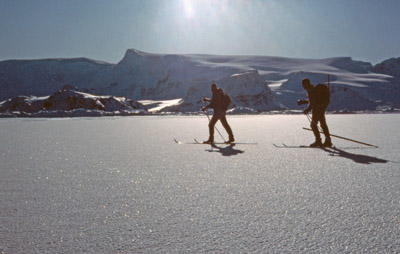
(189, 9)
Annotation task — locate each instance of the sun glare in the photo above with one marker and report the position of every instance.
(189, 9)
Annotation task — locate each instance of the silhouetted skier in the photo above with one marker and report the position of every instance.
(219, 102)
(318, 100)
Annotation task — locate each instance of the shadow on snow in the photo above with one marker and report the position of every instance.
(226, 150)
(358, 158)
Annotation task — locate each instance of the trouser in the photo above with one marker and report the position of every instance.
(318, 115)
(219, 115)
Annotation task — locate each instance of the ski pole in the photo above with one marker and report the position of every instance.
(348, 139)
(309, 118)
(209, 120)
(336, 136)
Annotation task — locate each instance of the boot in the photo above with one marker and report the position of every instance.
(327, 143)
(317, 143)
(209, 141)
(231, 140)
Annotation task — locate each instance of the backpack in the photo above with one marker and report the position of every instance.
(322, 94)
(226, 100)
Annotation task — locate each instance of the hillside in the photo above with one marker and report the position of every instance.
(69, 102)
(260, 83)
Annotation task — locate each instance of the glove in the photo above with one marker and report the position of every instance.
(306, 111)
(301, 102)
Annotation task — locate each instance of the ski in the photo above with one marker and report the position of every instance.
(196, 142)
(292, 146)
(224, 143)
(299, 146)
(185, 143)
(320, 147)
(213, 143)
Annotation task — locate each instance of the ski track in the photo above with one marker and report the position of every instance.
(122, 185)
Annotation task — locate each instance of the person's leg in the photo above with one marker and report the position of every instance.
(325, 129)
(211, 126)
(227, 128)
(314, 126)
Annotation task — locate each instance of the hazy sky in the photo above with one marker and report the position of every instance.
(367, 30)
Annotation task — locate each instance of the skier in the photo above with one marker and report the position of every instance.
(219, 102)
(318, 100)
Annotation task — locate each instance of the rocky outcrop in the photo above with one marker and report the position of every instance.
(70, 99)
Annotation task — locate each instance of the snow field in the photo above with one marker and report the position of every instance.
(121, 185)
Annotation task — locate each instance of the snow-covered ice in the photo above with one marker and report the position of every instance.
(121, 185)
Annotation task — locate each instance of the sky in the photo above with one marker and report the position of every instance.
(366, 30)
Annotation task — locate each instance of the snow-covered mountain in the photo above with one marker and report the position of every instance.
(246, 89)
(259, 83)
(46, 76)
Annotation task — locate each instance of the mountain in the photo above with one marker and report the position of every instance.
(256, 83)
(390, 67)
(46, 76)
(70, 102)
(246, 89)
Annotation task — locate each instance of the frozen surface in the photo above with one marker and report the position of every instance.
(121, 185)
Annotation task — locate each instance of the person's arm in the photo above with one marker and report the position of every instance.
(205, 99)
(310, 103)
(301, 102)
